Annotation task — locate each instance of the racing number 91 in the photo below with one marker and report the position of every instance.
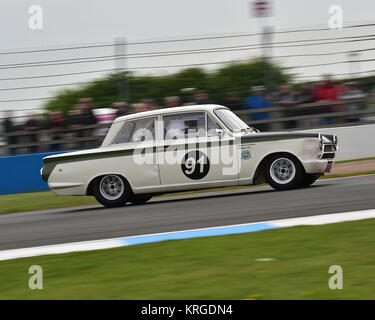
(195, 165)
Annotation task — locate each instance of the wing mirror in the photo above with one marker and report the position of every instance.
(220, 132)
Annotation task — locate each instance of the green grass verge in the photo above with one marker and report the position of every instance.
(21, 202)
(11, 203)
(355, 160)
(223, 267)
(354, 174)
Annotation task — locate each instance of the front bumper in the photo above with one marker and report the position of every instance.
(318, 166)
(329, 166)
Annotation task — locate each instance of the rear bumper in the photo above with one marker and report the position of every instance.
(67, 189)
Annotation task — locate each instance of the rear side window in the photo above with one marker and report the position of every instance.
(137, 131)
(184, 125)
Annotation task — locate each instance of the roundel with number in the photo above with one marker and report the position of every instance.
(195, 165)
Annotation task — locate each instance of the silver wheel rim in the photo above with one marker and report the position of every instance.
(282, 170)
(111, 187)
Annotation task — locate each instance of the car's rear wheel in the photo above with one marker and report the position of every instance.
(283, 172)
(112, 190)
(139, 198)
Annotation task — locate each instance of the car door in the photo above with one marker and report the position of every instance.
(193, 152)
(138, 137)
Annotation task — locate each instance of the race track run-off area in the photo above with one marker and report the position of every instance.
(185, 212)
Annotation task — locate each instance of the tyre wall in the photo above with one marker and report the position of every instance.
(22, 173)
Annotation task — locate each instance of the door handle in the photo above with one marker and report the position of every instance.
(163, 148)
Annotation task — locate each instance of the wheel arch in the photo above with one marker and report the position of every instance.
(259, 176)
(90, 185)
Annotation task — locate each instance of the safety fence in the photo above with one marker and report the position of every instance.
(297, 117)
(314, 115)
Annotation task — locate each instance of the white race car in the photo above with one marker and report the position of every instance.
(187, 148)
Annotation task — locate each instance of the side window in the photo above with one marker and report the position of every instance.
(137, 131)
(211, 127)
(125, 133)
(184, 125)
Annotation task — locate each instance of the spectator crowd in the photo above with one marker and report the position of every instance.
(80, 121)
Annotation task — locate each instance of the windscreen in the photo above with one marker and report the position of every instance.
(233, 122)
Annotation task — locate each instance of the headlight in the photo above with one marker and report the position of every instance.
(320, 139)
(312, 147)
(336, 141)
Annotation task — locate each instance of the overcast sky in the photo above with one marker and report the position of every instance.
(85, 22)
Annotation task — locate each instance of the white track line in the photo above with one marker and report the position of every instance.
(184, 234)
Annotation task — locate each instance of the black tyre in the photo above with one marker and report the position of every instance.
(309, 179)
(139, 198)
(112, 190)
(284, 172)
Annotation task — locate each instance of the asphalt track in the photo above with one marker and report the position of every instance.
(30, 229)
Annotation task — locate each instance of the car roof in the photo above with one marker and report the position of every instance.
(198, 107)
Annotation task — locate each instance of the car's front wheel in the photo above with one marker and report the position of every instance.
(112, 190)
(283, 172)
